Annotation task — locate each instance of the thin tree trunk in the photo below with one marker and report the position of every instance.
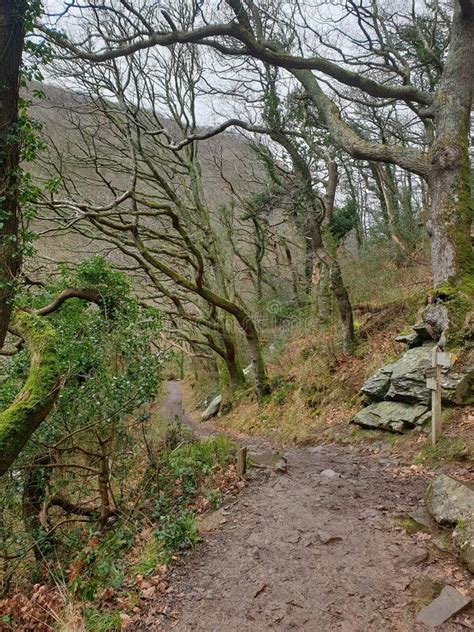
(34, 492)
(388, 201)
(103, 484)
(12, 14)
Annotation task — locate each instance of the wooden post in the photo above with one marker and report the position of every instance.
(435, 398)
(241, 465)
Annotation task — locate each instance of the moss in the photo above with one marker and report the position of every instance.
(457, 213)
(447, 450)
(424, 590)
(457, 296)
(37, 396)
(410, 525)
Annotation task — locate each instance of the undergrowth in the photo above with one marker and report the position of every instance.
(314, 385)
(111, 567)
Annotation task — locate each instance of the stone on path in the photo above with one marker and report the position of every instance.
(452, 502)
(421, 516)
(329, 474)
(417, 556)
(449, 500)
(328, 538)
(267, 458)
(449, 603)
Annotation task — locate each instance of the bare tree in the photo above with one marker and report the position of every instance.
(147, 196)
(440, 98)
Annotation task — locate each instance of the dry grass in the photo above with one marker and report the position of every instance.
(315, 387)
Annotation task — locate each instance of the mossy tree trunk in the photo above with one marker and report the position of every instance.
(450, 180)
(233, 378)
(12, 13)
(38, 394)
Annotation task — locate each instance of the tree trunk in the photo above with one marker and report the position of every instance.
(12, 14)
(449, 179)
(103, 484)
(236, 374)
(325, 250)
(38, 394)
(338, 288)
(262, 385)
(388, 202)
(34, 492)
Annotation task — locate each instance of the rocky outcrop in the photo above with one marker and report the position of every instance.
(376, 387)
(451, 502)
(399, 398)
(408, 378)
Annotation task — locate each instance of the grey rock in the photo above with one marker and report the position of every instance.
(440, 543)
(412, 339)
(424, 331)
(463, 536)
(457, 388)
(317, 449)
(293, 537)
(329, 474)
(449, 603)
(381, 445)
(392, 416)
(435, 317)
(417, 556)
(468, 553)
(421, 516)
(408, 381)
(452, 502)
(270, 459)
(328, 538)
(377, 385)
(212, 409)
(389, 462)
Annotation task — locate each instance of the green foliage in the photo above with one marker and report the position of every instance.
(280, 390)
(344, 219)
(108, 371)
(214, 496)
(98, 621)
(101, 561)
(177, 532)
(171, 485)
(446, 450)
(150, 557)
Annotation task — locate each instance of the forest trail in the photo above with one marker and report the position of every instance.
(310, 550)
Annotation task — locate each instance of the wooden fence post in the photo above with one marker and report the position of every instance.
(435, 398)
(241, 464)
(439, 360)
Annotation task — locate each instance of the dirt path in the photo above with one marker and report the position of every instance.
(310, 550)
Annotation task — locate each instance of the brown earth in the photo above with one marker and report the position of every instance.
(311, 550)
